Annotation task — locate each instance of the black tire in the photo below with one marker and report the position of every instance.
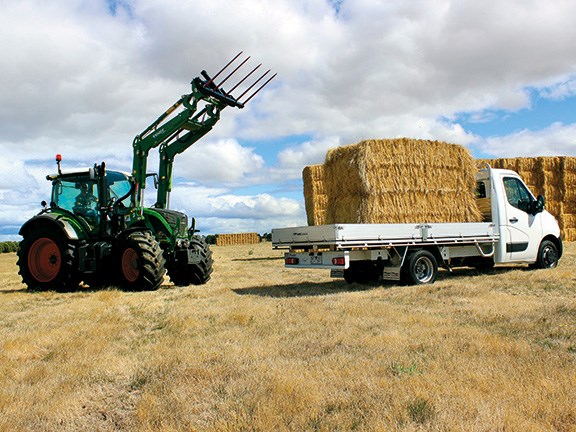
(419, 268)
(48, 260)
(140, 262)
(548, 255)
(182, 273)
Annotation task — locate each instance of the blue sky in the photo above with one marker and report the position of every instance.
(83, 77)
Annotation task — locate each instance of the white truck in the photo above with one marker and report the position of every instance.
(517, 229)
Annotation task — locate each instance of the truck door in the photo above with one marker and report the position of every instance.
(524, 229)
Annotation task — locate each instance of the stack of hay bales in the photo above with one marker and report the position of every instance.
(555, 178)
(395, 181)
(237, 239)
(569, 200)
(315, 198)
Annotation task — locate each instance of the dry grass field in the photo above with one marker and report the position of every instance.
(262, 348)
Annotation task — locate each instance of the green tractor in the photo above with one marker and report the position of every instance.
(96, 228)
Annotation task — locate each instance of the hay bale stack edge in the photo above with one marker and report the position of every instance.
(315, 198)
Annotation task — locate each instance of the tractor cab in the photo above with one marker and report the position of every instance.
(90, 195)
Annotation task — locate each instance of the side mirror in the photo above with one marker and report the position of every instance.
(539, 204)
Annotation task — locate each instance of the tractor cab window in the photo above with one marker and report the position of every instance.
(119, 185)
(517, 194)
(79, 196)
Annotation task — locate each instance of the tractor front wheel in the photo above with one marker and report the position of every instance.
(198, 271)
(47, 260)
(140, 262)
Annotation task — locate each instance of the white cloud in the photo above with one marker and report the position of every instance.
(223, 161)
(292, 159)
(560, 90)
(557, 139)
(218, 211)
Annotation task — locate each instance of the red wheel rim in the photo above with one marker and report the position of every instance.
(44, 260)
(130, 265)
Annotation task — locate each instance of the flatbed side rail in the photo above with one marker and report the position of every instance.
(374, 244)
(339, 237)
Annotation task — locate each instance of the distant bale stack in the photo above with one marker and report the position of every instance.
(555, 178)
(400, 181)
(237, 239)
(315, 197)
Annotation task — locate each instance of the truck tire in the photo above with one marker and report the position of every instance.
(419, 268)
(140, 262)
(183, 274)
(48, 260)
(547, 255)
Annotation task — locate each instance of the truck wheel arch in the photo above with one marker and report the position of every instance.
(557, 241)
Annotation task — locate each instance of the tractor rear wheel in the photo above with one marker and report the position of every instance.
(140, 262)
(48, 260)
(183, 273)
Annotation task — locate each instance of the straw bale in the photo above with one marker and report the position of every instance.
(237, 239)
(315, 198)
(569, 234)
(485, 208)
(570, 193)
(399, 181)
(569, 220)
(570, 172)
(555, 208)
(568, 206)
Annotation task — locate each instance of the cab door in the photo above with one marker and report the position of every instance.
(524, 229)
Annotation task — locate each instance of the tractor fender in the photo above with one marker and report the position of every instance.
(52, 220)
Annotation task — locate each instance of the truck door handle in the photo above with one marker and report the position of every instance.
(513, 220)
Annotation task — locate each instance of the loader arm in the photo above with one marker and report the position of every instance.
(200, 110)
(202, 124)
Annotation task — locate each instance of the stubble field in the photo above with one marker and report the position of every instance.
(263, 348)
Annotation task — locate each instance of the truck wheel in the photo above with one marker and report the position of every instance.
(47, 260)
(198, 273)
(547, 255)
(420, 268)
(140, 262)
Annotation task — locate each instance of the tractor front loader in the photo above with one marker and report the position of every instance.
(97, 229)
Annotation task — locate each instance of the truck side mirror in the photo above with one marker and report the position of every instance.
(539, 204)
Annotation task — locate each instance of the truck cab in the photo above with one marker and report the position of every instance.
(522, 220)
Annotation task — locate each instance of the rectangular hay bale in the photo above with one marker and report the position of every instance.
(237, 239)
(400, 181)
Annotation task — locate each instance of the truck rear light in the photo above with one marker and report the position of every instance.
(291, 261)
(339, 261)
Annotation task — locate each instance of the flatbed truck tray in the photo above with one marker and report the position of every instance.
(346, 236)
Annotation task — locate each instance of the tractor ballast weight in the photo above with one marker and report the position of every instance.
(96, 228)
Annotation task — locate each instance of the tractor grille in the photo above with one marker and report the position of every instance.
(177, 220)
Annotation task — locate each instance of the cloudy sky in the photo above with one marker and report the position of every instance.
(83, 77)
